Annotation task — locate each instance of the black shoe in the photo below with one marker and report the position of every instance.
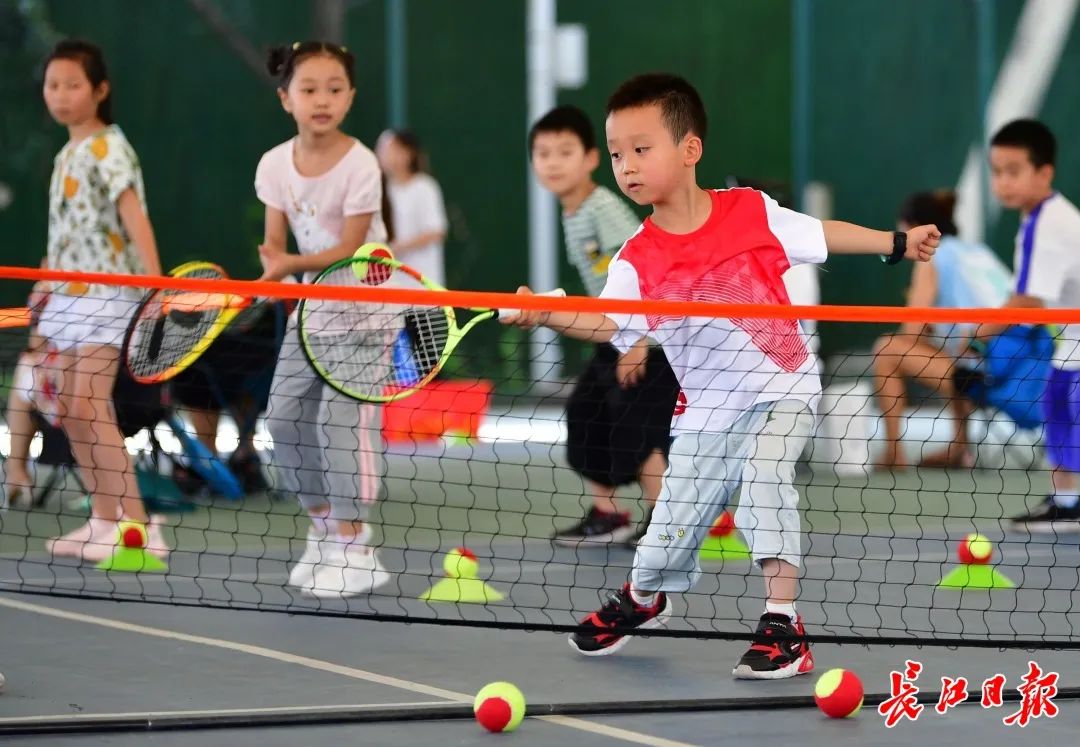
(249, 470)
(597, 527)
(1047, 518)
(634, 539)
(620, 611)
(778, 651)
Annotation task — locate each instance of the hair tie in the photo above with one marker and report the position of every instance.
(344, 50)
(295, 46)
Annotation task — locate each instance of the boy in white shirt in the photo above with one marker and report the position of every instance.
(751, 385)
(1047, 269)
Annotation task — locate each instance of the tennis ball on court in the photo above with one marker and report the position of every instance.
(461, 562)
(839, 693)
(499, 706)
(975, 550)
(724, 526)
(370, 273)
(132, 534)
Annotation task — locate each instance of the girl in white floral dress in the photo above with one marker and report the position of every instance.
(97, 223)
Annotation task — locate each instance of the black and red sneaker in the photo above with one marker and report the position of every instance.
(619, 612)
(779, 650)
(597, 528)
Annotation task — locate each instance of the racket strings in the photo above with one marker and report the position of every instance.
(163, 337)
(370, 348)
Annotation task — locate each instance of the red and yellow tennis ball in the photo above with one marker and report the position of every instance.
(371, 273)
(839, 693)
(975, 549)
(461, 562)
(499, 706)
(132, 534)
(724, 526)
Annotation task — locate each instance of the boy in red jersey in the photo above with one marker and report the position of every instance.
(751, 385)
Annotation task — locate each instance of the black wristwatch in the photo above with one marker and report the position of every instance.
(899, 248)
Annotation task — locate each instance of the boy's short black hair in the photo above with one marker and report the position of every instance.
(1031, 135)
(565, 119)
(679, 102)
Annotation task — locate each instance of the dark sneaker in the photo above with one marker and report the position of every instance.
(249, 470)
(634, 539)
(597, 527)
(778, 651)
(1048, 518)
(619, 613)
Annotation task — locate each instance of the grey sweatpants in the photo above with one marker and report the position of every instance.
(704, 469)
(328, 448)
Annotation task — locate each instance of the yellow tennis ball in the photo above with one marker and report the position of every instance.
(979, 548)
(372, 274)
(461, 562)
(499, 706)
(839, 693)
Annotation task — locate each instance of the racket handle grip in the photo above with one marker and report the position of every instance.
(557, 293)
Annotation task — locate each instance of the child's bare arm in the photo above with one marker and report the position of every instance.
(848, 238)
(137, 224)
(590, 327)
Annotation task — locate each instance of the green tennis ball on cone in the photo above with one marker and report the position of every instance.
(975, 549)
(372, 273)
(499, 707)
(461, 562)
(839, 693)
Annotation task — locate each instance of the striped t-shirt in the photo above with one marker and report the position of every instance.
(594, 232)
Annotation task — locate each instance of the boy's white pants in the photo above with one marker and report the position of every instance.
(704, 469)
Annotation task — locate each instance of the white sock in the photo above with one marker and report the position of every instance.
(644, 601)
(781, 609)
(318, 527)
(1066, 498)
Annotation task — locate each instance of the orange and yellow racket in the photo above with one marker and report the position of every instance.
(171, 329)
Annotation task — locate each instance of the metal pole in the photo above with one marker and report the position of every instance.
(396, 57)
(985, 23)
(802, 85)
(545, 354)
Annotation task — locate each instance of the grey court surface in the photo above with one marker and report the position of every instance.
(875, 551)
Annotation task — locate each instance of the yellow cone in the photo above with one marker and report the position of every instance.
(461, 585)
(133, 560)
(728, 547)
(467, 590)
(975, 577)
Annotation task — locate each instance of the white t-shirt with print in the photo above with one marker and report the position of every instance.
(418, 208)
(85, 230)
(317, 206)
(1047, 266)
(724, 365)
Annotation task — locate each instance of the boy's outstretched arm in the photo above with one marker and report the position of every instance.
(590, 327)
(848, 238)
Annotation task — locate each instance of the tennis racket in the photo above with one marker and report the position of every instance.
(380, 352)
(171, 329)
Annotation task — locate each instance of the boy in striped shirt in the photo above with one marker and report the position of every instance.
(619, 415)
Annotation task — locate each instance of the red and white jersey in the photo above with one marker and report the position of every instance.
(725, 365)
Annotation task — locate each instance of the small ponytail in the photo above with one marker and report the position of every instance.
(276, 60)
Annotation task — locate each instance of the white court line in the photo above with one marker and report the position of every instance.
(327, 666)
(154, 715)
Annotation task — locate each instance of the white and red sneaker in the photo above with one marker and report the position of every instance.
(779, 650)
